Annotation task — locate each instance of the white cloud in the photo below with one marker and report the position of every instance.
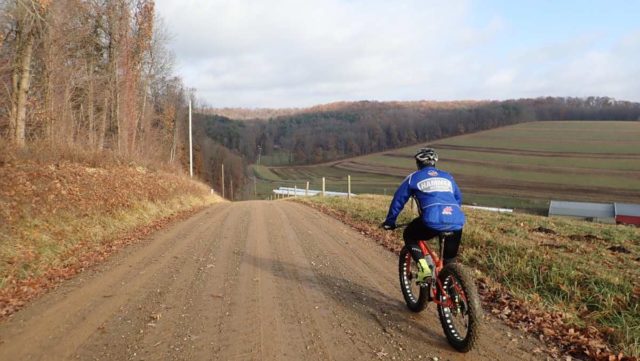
(298, 53)
(580, 66)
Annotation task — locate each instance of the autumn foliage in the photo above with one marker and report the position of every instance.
(60, 217)
(350, 129)
(95, 74)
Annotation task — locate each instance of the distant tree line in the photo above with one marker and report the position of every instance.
(352, 129)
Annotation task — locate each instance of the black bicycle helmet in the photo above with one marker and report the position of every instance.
(426, 157)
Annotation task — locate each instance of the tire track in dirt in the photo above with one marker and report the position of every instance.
(172, 331)
(299, 305)
(240, 328)
(144, 318)
(242, 281)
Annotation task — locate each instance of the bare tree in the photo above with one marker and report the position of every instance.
(27, 23)
(90, 73)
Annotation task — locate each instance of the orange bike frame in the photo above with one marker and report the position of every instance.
(426, 250)
(438, 265)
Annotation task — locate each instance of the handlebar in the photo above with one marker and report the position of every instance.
(401, 225)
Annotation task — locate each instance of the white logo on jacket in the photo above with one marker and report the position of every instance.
(435, 185)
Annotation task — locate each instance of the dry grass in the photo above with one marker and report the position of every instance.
(36, 245)
(45, 152)
(62, 211)
(588, 273)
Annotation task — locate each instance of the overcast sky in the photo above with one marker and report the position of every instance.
(298, 53)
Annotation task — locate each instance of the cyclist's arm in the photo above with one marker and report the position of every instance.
(400, 198)
(456, 193)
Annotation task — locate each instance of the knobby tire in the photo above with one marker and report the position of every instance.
(415, 297)
(470, 305)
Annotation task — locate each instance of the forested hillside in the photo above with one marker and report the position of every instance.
(94, 80)
(343, 130)
(92, 75)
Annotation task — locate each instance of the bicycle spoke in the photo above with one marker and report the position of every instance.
(455, 313)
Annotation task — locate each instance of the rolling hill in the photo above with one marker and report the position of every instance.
(522, 166)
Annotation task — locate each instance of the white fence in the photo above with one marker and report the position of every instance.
(492, 209)
(295, 192)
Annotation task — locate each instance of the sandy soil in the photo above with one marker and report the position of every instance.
(243, 281)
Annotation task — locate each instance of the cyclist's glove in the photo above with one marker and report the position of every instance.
(388, 226)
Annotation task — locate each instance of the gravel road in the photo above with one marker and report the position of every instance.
(251, 280)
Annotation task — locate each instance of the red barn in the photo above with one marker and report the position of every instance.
(627, 213)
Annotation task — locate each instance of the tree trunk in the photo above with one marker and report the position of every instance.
(174, 141)
(48, 99)
(15, 81)
(103, 123)
(21, 81)
(67, 124)
(90, 106)
(112, 68)
(140, 125)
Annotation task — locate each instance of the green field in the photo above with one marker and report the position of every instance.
(606, 137)
(522, 166)
(276, 158)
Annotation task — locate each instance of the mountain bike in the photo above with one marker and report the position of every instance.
(451, 288)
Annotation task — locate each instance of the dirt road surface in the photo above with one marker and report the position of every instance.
(243, 281)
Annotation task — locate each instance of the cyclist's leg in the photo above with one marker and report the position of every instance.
(416, 231)
(451, 247)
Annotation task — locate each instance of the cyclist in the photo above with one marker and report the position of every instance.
(439, 200)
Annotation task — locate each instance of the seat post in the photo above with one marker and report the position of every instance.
(442, 237)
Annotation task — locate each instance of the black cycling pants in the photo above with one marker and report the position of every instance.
(417, 230)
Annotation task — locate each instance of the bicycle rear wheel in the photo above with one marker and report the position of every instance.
(460, 311)
(415, 296)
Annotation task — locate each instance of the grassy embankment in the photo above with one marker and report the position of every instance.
(587, 273)
(59, 216)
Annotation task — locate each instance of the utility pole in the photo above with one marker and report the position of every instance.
(231, 189)
(191, 144)
(255, 188)
(259, 153)
(222, 180)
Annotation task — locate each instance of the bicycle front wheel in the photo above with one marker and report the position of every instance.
(459, 309)
(415, 296)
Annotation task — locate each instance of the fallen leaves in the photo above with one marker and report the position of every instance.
(31, 190)
(155, 316)
(619, 249)
(585, 237)
(544, 230)
(582, 343)
(38, 201)
(552, 328)
(381, 354)
(17, 292)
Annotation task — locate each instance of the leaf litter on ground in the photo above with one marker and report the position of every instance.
(559, 330)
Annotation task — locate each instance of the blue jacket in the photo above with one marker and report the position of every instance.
(439, 199)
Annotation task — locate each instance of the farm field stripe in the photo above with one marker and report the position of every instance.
(537, 153)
